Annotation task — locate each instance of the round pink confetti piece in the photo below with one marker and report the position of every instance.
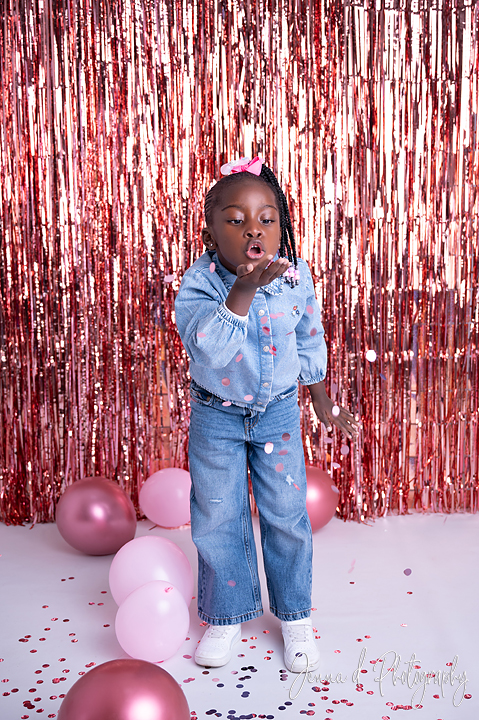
(297, 488)
(188, 657)
(371, 355)
(344, 450)
(285, 437)
(335, 411)
(215, 679)
(226, 403)
(309, 309)
(201, 334)
(225, 381)
(239, 357)
(407, 571)
(313, 332)
(248, 398)
(283, 452)
(264, 320)
(279, 467)
(268, 448)
(231, 583)
(212, 267)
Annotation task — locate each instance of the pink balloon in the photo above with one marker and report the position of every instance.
(125, 690)
(165, 497)
(322, 497)
(146, 559)
(96, 516)
(152, 623)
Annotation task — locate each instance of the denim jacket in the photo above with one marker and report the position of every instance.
(249, 361)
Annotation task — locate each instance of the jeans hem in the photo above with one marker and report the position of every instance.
(230, 620)
(288, 617)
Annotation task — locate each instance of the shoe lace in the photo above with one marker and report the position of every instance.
(217, 631)
(298, 633)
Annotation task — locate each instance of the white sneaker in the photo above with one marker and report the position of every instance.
(215, 647)
(300, 650)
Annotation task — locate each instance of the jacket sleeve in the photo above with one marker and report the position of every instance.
(210, 334)
(312, 350)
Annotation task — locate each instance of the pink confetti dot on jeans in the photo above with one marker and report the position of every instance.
(212, 267)
(226, 403)
(309, 309)
(248, 398)
(231, 583)
(268, 448)
(239, 357)
(313, 332)
(225, 381)
(285, 437)
(201, 334)
(279, 467)
(264, 320)
(283, 452)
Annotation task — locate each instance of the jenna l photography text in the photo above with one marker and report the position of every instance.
(390, 668)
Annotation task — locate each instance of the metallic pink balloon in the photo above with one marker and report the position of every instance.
(125, 690)
(322, 497)
(96, 516)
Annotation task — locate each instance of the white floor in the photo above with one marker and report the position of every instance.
(57, 620)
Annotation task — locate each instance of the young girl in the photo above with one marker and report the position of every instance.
(248, 318)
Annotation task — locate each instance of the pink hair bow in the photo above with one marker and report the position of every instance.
(243, 164)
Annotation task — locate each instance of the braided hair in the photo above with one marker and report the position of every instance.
(287, 246)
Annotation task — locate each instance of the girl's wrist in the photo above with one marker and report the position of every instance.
(240, 298)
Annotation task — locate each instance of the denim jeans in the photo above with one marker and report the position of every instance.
(224, 442)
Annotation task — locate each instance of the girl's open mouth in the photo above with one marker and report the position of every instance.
(255, 251)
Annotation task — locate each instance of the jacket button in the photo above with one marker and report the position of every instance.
(260, 312)
(266, 348)
(265, 384)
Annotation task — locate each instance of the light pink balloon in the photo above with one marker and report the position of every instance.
(96, 516)
(165, 497)
(125, 690)
(146, 559)
(322, 497)
(152, 623)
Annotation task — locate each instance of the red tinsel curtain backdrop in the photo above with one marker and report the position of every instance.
(115, 119)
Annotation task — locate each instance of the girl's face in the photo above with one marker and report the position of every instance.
(245, 225)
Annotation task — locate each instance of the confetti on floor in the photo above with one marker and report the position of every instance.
(378, 635)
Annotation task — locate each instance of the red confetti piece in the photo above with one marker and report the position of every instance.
(313, 332)
(225, 381)
(285, 437)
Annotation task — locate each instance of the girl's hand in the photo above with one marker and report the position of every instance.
(263, 273)
(323, 407)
